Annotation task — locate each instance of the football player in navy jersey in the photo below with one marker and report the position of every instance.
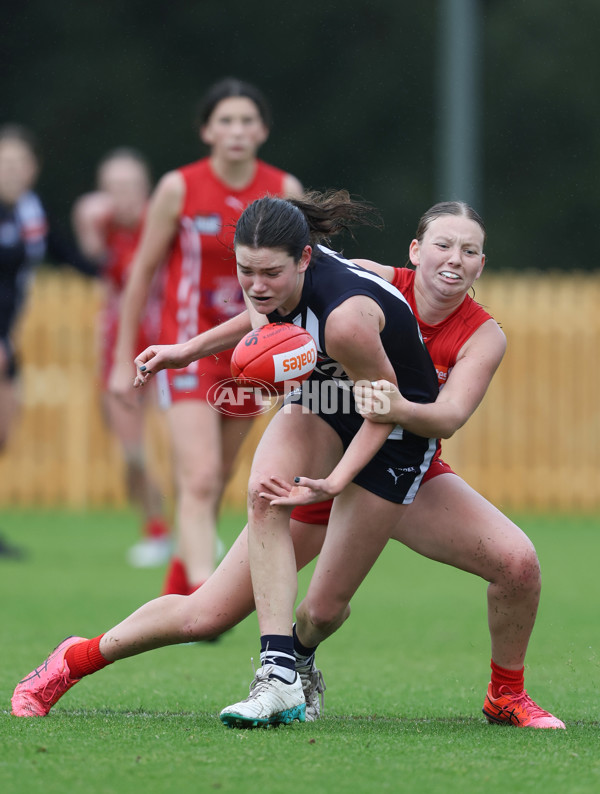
(364, 326)
(26, 239)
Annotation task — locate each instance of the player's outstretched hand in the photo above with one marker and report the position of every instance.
(303, 491)
(377, 400)
(157, 357)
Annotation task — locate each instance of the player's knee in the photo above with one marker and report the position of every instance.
(529, 573)
(194, 626)
(521, 570)
(325, 616)
(202, 485)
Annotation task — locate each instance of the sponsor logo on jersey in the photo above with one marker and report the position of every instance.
(208, 224)
(185, 382)
(399, 471)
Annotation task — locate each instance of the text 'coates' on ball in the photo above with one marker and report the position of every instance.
(273, 354)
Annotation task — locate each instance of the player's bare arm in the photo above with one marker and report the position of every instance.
(352, 337)
(215, 340)
(292, 187)
(385, 271)
(90, 217)
(159, 228)
(256, 319)
(222, 337)
(466, 386)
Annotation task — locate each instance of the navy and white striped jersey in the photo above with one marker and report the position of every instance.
(329, 281)
(396, 471)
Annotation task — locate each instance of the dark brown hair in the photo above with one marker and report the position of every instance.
(232, 87)
(292, 224)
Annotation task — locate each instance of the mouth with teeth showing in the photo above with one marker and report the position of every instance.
(448, 274)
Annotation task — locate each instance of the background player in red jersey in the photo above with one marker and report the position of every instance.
(448, 521)
(189, 225)
(108, 223)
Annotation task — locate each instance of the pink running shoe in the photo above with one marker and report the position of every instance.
(35, 695)
(519, 710)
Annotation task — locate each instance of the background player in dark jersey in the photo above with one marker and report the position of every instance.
(108, 223)
(189, 225)
(466, 345)
(26, 240)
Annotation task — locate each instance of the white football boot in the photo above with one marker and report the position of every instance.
(270, 702)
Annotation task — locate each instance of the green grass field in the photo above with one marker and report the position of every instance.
(406, 678)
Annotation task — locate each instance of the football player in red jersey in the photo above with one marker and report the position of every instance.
(449, 521)
(189, 229)
(108, 223)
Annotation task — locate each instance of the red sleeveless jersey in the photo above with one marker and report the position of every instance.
(202, 288)
(443, 340)
(121, 243)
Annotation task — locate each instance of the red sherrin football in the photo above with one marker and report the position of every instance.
(274, 353)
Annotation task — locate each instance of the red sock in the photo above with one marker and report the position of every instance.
(176, 581)
(156, 528)
(513, 679)
(85, 658)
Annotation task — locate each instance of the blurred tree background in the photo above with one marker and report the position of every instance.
(355, 97)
